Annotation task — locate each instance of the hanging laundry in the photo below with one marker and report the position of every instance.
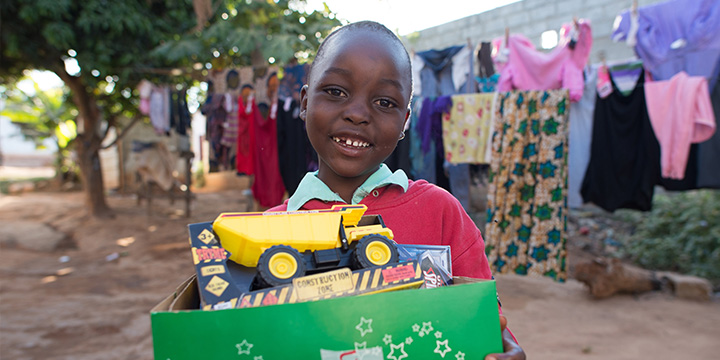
(294, 150)
(446, 72)
(230, 131)
(160, 109)
(423, 162)
(267, 188)
(417, 64)
(525, 232)
(145, 89)
(581, 124)
(708, 173)
(488, 84)
(247, 113)
(466, 128)
(486, 68)
(674, 36)
(179, 112)
(215, 113)
(624, 155)
(562, 67)
(294, 77)
(680, 113)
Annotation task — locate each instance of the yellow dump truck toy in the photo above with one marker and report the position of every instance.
(286, 245)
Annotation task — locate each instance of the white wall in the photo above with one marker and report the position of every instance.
(531, 18)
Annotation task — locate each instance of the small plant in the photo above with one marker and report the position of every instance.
(681, 234)
(198, 178)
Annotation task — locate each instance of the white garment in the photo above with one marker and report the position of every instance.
(580, 137)
(417, 64)
(461, 65)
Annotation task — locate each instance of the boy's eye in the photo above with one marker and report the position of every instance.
(335, 92)
(385, 103)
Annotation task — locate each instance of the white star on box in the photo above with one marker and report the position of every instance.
(444, 351)
(362, 329)
(258, 358)
(438, 334)
(408, 340)
(401, 347)
(426, 328)
(244, 347)
(387, 339)
(460, 355)
(416, 328)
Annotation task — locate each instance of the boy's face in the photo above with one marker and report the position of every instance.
(356, 104)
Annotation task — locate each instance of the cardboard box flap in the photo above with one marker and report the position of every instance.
(181, 291)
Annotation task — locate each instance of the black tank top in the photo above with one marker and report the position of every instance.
(624, 155)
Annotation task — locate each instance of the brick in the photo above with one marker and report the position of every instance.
(689, 287)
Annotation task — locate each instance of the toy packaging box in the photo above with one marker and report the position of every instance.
(231, 309)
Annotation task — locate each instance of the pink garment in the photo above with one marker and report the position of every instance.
(529, 69)
(680, 113)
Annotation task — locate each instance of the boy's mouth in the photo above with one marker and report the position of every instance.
(350, 142)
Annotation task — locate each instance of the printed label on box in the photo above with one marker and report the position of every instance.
(212, 270)
(322, 284)
(398, 273)
(217, 286)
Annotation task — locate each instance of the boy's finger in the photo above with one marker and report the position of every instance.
(503, 323)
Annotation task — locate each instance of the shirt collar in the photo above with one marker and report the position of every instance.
(311, 187)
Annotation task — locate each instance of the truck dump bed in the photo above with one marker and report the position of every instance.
(247, 235)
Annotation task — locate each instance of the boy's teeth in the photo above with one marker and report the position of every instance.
(349, 142)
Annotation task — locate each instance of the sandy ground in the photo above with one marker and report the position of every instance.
(99, 308)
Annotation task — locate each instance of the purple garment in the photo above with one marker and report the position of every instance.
(697, 22)
(442, 104)
(424, 124)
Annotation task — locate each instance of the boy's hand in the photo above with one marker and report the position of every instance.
(511, 349)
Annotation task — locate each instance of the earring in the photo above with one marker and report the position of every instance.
(402, 135)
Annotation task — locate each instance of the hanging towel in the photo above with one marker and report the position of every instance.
(466, 128)
(680, 113)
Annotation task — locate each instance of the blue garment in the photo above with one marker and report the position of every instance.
(662, 25)
(293, 79)
(423, 163)
(488, 84)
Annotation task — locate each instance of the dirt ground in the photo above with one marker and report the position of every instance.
(90, 298)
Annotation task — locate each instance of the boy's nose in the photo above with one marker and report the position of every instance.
(357, 111)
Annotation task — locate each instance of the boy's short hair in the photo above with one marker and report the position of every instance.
(369, 25)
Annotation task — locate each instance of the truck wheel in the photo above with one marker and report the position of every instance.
(375, 250)
(279, 265)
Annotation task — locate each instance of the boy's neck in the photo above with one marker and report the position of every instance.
(345, 187)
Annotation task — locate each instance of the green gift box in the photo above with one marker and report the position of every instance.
(454, 322)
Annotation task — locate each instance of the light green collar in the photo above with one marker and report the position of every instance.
(311, 187)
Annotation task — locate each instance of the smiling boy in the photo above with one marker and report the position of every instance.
(355, 106)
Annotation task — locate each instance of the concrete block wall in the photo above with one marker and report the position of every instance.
(531, 18)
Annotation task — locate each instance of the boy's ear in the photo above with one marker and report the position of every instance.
(303, 102)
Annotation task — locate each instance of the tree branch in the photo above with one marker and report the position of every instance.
(134, 121)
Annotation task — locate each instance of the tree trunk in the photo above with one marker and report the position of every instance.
(87, 145)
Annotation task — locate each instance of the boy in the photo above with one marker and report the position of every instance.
(355, 106)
